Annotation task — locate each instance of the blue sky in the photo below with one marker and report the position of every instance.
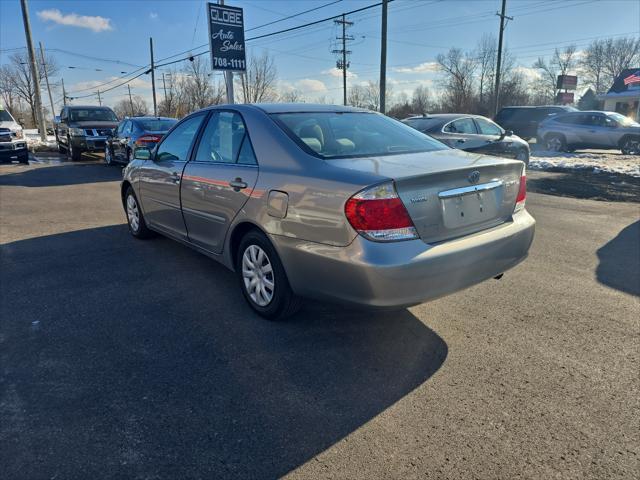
(119, 30)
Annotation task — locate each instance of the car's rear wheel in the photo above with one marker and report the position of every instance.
(262, 278)
(630, 146)
(135, 217)
(555, 143)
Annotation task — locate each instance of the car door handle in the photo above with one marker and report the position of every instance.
(460, 140)
(175, 178)
(238, 184)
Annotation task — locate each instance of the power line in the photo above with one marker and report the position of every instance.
(293, 16)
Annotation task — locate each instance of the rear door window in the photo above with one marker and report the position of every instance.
(485, 127)
(463, 125)
(223, 140)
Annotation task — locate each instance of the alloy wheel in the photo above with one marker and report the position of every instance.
(631, 147)
(554, 144)
(257, 274)
(133, 214)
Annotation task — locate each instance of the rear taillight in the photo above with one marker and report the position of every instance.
(377, 213)
(522, 193)
(144, 139)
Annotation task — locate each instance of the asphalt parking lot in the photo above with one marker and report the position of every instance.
(128, 359)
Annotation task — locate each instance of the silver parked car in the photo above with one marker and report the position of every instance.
(590, 129)
(331, 203)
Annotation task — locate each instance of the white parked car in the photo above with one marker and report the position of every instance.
(12, 143)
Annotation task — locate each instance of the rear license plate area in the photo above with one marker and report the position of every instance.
(470, 208)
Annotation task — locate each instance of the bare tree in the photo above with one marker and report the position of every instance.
(123, 108)
(198, 90)
(458, 71)
(421, 99)
(357, 96)
(258, 83)
(17, 76)
(561, 63)
(486, 56)
(292, 96)
(620, 54)
(593, 66)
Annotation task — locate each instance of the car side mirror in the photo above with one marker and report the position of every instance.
(508, 133)
(142, 153)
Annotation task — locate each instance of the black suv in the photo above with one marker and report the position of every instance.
(84, 129)
(523, 121)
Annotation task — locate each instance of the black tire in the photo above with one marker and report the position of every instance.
(630, 145)
(141, 230)
(284, 302)
(61, 149)
(108, 155)
(24, 160)
(72, 152)
(127, 157)
(555, 143)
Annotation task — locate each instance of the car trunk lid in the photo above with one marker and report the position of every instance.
(448, 193)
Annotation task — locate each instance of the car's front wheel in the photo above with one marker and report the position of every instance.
(73, 152)
(262, 278)
(108, 157)
(630, 146)
(135, 217)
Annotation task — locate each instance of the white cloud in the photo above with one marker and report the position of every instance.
(528, 72)
(153, 15)
(95, 23)
(310, 85)
(335, 72)
(422, 68)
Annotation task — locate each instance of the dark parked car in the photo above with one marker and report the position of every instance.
(135, 132)
(471, 133)
(590, 129)
(524, 121)
(84, 129)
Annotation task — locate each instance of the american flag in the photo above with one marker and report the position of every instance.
(633, 78)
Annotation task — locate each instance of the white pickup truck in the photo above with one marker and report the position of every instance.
(13, 145)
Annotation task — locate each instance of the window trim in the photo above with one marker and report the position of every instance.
(154, 157)
(196, 146)
(460, 133)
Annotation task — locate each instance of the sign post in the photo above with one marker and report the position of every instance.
(226, 41)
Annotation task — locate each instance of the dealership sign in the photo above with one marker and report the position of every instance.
(567, 82)
(226, 37)
(564, 98)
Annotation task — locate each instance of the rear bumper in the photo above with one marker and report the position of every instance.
(403, 273)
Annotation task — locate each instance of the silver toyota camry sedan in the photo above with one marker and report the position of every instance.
(330, 203)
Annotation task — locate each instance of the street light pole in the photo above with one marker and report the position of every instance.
(34, 71)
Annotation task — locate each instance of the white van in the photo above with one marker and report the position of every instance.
(13, 146)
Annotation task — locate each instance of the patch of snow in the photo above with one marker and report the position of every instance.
(598, 161)
(32, 137)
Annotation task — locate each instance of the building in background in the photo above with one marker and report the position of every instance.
(624, 95)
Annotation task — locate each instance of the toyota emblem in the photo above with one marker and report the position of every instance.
(474, 176)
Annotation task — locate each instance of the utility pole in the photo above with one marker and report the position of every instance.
(46, 77)
(153, 79)
(34, 71)
(99, 99)
(130, 100)
(343, 64)
(383, 58)
(496, 95)
(64, 93)
(228, 76)
(164, 87)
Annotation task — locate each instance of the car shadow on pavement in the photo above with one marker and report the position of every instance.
(126, 358)
(61, 175)
(619, 265)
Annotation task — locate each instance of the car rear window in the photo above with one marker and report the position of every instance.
(353, 134)
(423, 124)
(156, 125)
